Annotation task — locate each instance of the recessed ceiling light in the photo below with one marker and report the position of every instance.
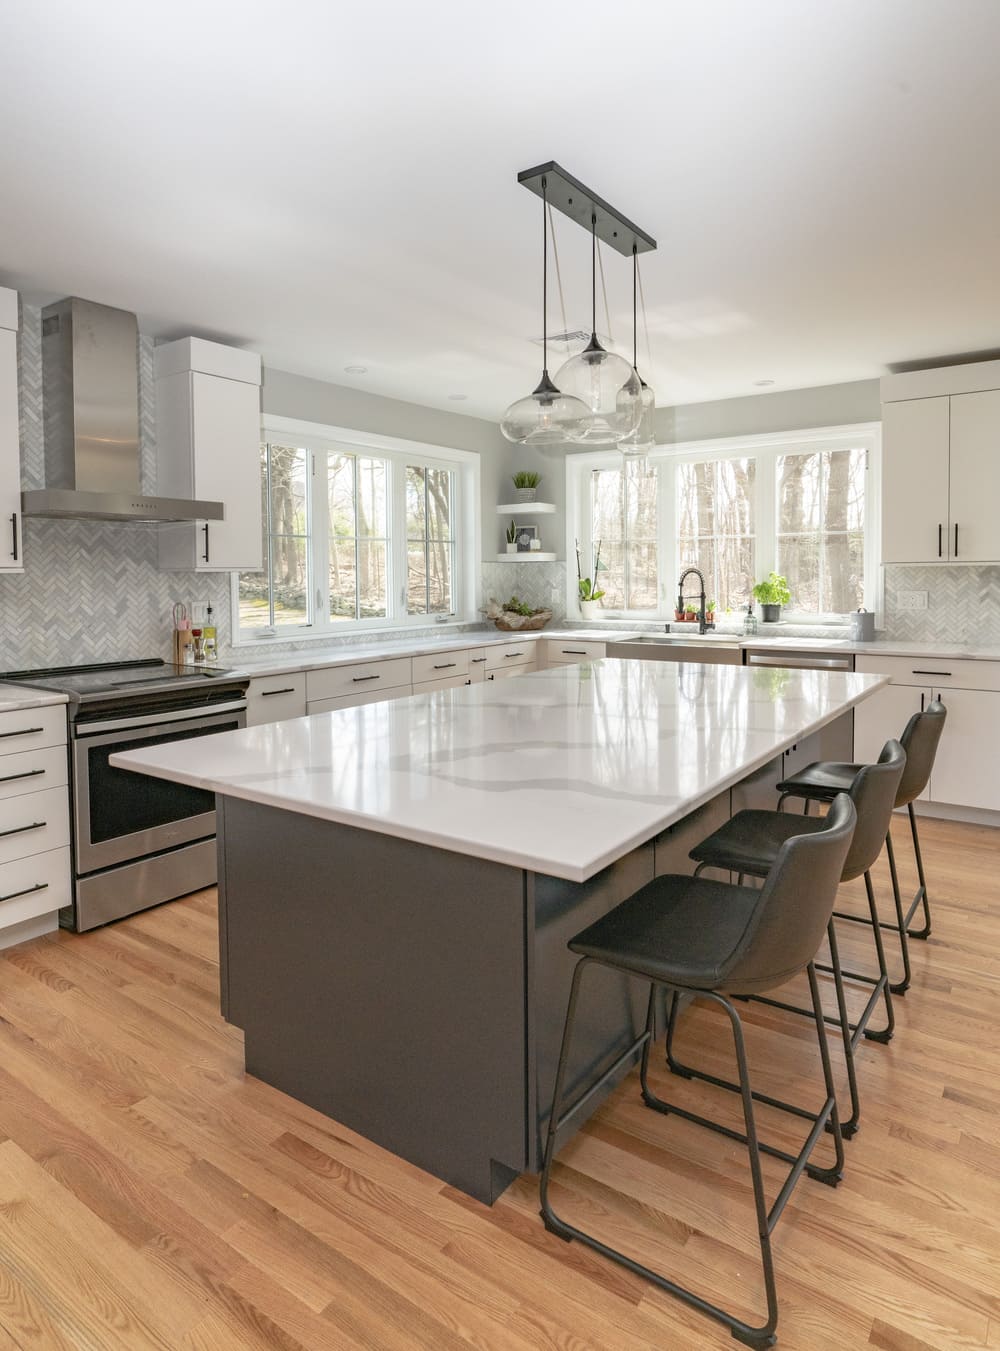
(763, 382)
(458, 398)
(356, 370)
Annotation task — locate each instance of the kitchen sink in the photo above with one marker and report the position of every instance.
(724, 639)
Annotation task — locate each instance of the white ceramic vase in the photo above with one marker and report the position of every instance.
(590, 609)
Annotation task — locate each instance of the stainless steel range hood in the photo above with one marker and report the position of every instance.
(90, 393)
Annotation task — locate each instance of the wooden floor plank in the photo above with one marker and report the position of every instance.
(151, 1195)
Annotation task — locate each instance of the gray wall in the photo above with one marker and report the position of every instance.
(288, 395)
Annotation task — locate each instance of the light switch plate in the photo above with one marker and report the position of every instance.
(911, 600)
(199, 614)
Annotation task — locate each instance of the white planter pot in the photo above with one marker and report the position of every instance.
(590, 609)
(512, 548)
(526, 494)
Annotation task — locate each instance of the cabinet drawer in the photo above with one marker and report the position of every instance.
(358, 697)
(272, 698)
(333, 682)
(501, 655)
(439, 665)
(514, 669)
(31, 728)
(567, 650)
(477, 665)
(34, 886)
(34, 823)
(934, 672)
(31, 771)
(446, 682)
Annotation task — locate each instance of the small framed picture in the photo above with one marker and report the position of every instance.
(525, 534)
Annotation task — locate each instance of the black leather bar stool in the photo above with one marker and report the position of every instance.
(689, 935)
(749, 843)
(824, 779)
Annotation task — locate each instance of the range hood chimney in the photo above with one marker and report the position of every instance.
(90, 394)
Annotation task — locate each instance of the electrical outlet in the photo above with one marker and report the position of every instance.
(911, 600)
(199, 614)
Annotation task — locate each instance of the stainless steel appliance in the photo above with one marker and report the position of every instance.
(137, 841)
(804, 657)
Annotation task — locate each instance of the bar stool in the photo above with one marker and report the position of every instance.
(692, 936)
(748, 844)
(824, 779)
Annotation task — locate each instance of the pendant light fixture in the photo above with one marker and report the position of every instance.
(637, 444)
(546, 417)
(604, 381)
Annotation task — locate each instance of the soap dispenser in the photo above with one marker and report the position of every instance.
(750, 621)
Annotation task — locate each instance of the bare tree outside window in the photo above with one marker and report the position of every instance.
(715, 526)
(820, 528)
(356, 503)
(430, 541)
(279, 592)
(624, 518)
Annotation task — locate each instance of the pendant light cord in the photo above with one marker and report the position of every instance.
(604, 291)
(645, 324)
(545, 277)
(559, 285)
(635, 313)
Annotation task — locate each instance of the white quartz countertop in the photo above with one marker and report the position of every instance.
(15, 697)
(278, 663)
(560, 771)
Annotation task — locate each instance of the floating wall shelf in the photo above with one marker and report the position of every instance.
(526, 508)
(525, 556)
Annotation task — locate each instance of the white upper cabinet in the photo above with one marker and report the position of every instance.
(208, 447)
(941, 466)
(11, 551)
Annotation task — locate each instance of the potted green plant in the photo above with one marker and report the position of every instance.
(690, 614)
(772, 594)
(589, 590)
(512, 538)
(526, 482)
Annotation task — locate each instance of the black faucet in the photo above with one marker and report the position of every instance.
(703, 624)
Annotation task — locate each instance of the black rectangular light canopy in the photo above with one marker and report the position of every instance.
(568, 195)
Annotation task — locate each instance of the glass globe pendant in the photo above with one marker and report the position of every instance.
(546, 417)
(604, 381)
(640, 442)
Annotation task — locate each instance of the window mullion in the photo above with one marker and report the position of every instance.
(765, 513)
(319, 537)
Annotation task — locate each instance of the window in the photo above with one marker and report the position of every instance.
(623, 534)
(803, 504)
(358, 535)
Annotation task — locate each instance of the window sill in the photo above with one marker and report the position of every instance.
(346, 636)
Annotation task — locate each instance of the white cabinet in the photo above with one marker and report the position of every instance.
(11, 550)
(441, 683)
(964, 773)
(208, 447)
(357, 698)
(34, 822)
(941, 466)
(566, 651)
(477, 665)
(274, 698)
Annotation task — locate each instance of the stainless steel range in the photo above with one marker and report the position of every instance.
(137, 841)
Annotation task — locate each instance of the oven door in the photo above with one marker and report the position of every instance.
(120, 815)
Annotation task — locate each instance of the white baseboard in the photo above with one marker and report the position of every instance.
(29, 928)
(944, 811)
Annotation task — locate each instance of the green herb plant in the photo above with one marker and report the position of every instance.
(512, 532)
(527, 478)
(518, 607)
(773, 591)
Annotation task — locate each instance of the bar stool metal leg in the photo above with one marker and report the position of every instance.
(921, 897)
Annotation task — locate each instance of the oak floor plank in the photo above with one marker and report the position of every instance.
(151, 1194)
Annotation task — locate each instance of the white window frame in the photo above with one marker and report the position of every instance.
(765, 449)
(464, 465)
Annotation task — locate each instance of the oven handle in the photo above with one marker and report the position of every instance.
(155, 719)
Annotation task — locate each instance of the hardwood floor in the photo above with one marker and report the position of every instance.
(152, 1196)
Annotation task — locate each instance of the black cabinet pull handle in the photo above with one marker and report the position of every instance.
(922, 697)
(266, 694)
(940, 538)
(477, 660)
(956, 539)
(574, 651)
(468, 682)
(13, 528)
(23, 731)
(937, 673)
(19, 830)
(443, 665)
(39, 886)
(358, 679)
(205, 528)
(29, 774)
(512, 654)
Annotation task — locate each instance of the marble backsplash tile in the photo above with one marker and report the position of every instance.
(963, 604)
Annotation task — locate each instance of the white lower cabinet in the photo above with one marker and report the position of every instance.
(477, 665)
(34, 822)
(274, 698)
(964, 773)
(448, 682)
(357, 698)
(565, 651)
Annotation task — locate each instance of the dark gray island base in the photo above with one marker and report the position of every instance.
(417, 995)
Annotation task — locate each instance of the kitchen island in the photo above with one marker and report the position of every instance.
(398, 882)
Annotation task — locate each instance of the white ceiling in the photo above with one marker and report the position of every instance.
(334, 184)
